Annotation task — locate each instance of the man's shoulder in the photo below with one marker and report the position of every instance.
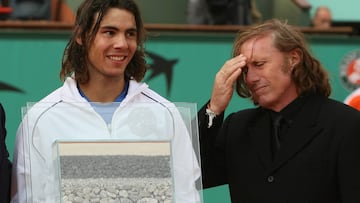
(154, 96)
(246, 114)
(338, 109)
(250, 111)
(37, 107)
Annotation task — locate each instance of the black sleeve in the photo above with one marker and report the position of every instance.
(208, 151)
(5, 164)
(203, 120)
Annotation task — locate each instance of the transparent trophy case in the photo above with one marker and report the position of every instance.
(147, 152)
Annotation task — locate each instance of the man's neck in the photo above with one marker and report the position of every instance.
(103, 92)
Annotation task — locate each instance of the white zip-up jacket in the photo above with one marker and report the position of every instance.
(66, 115)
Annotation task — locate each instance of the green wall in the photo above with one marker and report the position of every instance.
(31, 61)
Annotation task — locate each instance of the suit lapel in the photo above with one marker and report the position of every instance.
(300, 138)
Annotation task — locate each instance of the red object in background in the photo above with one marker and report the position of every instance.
(5, 10)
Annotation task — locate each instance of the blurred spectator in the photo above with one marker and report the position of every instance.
(31, 9)
(4, 3)
(322, 17)
(223, 12)
(5, 10)
(303, 4)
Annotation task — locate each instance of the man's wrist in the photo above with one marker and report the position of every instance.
(211, 115)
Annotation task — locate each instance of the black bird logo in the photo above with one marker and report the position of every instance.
(7, 87)
(160, 65)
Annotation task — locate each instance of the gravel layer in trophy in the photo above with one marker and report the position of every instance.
(124, 166)
(116, 179)
(117, 190)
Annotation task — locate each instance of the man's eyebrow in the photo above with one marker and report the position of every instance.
(110, 27)
(133, 29)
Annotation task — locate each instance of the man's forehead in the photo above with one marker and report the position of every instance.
(255, 45)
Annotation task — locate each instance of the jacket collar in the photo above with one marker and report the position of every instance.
(70, 93)
(300, 134)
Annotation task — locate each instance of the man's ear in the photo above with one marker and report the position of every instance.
(78, 40)
(295, 57)
(78, 37)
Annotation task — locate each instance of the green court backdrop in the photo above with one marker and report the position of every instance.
(31, 62)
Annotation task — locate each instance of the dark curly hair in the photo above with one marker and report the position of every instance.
(75, 57)
(309, 76)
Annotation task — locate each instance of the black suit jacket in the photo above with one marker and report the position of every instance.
(318, 162)
(5, 164)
